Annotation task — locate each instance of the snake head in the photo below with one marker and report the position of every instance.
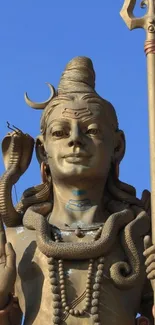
(17, 149)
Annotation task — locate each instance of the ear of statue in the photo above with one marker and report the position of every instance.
(42, 159)
(40, 150)
(119, 149)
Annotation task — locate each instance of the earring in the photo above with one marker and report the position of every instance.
(43, 169)
(117, 170)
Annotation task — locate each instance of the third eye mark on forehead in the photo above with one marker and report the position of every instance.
(83, 114)
(76, 113)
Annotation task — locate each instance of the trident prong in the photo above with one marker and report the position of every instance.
(147, 21)
(127, 15)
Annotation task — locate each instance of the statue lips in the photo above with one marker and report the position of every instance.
(77, 157)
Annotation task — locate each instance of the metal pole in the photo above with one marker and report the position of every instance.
(147, 22)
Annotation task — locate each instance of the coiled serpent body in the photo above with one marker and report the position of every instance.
(124, 220)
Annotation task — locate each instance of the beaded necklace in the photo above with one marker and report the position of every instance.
(61, 309)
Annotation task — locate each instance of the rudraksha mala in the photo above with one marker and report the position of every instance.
(61, 309)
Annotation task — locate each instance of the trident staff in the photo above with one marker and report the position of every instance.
(147, 22)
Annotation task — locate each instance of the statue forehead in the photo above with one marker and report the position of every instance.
(76, 110)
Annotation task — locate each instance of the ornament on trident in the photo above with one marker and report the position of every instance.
(147, 22)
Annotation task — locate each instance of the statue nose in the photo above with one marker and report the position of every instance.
(75, 138)
(73, 143)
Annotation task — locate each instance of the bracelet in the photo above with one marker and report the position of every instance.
(8, 306)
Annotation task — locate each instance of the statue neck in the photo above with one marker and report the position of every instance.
(78, 205)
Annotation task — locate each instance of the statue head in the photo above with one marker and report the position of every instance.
(80, 135)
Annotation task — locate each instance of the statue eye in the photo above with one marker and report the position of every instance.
(92, 131)
(58, 134)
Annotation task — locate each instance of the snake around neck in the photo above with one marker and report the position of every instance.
(124, 274)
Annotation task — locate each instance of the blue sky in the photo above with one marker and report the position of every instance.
(39, 37)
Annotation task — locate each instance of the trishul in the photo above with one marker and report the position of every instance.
(147, 22)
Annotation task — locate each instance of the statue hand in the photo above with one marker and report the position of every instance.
(7, 268)
(149, 253)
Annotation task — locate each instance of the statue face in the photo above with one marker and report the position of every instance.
(79, 141)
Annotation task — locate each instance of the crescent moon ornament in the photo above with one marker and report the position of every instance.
(41, 105)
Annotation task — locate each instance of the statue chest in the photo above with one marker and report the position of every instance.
(77, 292)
